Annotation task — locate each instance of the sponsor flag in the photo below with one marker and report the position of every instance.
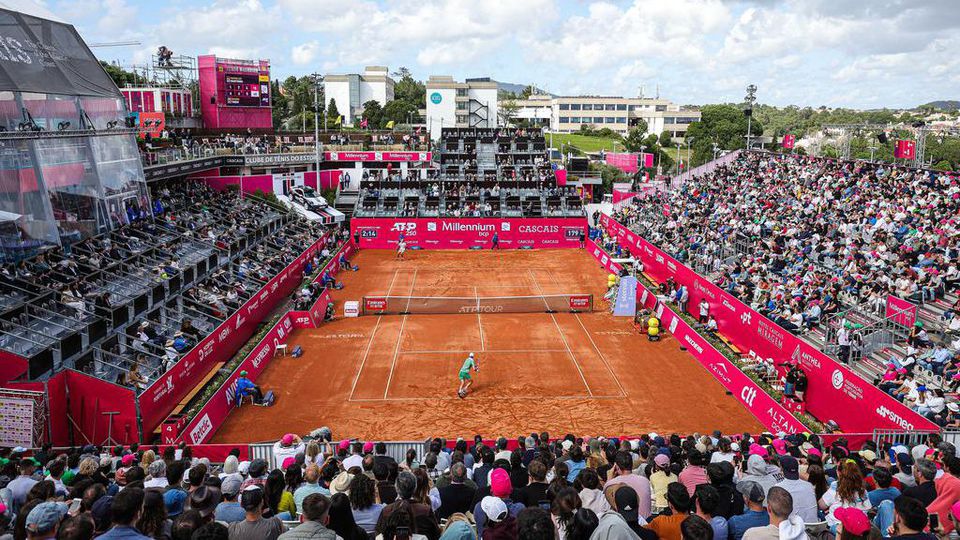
(390, 124)
(363, 123)
(789, 140)
(339, 120)
(905, 149)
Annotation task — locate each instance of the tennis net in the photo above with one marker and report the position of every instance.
(402, 305)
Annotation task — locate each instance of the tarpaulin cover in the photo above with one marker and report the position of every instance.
(42, 56)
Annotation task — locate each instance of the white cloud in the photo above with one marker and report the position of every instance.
(305, 53)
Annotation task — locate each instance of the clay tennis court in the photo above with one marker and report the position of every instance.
(394, 377)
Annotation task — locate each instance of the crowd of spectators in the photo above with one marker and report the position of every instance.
(801, 239)
(710, 487)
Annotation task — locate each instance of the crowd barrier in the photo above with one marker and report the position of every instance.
(835, 392)
(467, 233)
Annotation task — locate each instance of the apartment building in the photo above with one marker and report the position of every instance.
(351, 91)
(472, 103)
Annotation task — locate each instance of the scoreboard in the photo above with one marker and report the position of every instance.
(246, 89)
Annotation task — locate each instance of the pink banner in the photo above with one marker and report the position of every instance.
(601, 256)
(835, 391)
(903, 312)
(466, 233)
(211, 416)
(377, 156)
(313, 317)
(619, 196)
(789, 140)
(157, 401)
(625, 162)
(905, 149)
(561, 175)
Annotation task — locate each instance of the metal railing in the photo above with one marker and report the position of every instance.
(395, 449)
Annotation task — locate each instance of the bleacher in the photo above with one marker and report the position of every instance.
(146, 293)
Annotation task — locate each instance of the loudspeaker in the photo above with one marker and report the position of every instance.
(882, 137)
(748, 112)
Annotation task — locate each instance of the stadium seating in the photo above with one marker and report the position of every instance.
(818, 244)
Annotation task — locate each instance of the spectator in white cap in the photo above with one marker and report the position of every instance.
(499, 525)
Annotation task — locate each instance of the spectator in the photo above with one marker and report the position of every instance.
(661, 478)
(533, 523)
(753, 515)
(802, 493)
(626, 504)
(153, 521)
(848, 492)
(783, 523)
(500, 487)
(924, 472)
(125, 510)
(884, 491)
(21, 485)
(721, 477)
(695, 472)
(425, 521)
(910, 519)
(499, 524)
(313, 521)
(366, 511)
(230, 511)
(341, 519)
(43, 521)
(590, 494)
(535, 493)
(255, 526)
(311, 485)
(565, 504)
(287, 447)
(667, 526)
(622, 473)
(707, 499)
(457, 496)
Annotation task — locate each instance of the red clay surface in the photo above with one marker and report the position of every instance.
(394, 377)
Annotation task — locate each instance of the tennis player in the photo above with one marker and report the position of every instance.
(401, 249)
(465, 380)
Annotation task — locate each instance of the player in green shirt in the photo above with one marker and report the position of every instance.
(465, 380)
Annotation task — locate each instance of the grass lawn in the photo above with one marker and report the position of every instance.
(585, 143)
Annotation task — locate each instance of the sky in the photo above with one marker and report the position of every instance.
(836, 53)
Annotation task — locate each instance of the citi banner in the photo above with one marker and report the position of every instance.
(469, 233)
(215, 410)
(835, 392)
(159, 399)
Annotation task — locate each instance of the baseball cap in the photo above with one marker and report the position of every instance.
(751, 490)
(853, 520)
(627, 503)
(869, 456)
(128, 459)
(368, 447)
(230, 485)
(352, 461)
(45, 516)
(243, 373)
(567, 445)
(791, 467)
(780, 446)
(287, 462)
(344, 445)
(494, 508)
(500, 485)
(287, 439)
(757, 450)
(243, 467)
(953, 406)
(661, 460)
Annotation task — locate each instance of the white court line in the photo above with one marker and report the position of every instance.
(563, 338)
(370, 342)
(479, 324)
(602, 357)
(540, 397)
(396, 351)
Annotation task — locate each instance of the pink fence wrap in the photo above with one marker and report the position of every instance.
(901, 311)
(465, 233)
(216, 409)
(157, 401)
(627, 163)
(835, 392)
(601, 256)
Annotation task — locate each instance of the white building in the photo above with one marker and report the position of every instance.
(454, 104)
(565, 114)
(351, 91)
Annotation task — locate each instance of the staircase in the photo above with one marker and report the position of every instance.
(347, 199)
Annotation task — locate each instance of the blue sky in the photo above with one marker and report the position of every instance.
(850, 53)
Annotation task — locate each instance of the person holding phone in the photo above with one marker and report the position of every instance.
(909, 520)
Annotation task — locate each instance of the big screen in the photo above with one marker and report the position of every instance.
(247, 89)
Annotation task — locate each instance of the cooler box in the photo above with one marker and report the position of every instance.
(351, 309)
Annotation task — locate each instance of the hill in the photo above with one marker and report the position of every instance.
(942, 105)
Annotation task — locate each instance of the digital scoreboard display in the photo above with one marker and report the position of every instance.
(247, 89)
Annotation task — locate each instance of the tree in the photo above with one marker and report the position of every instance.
(400, 112)
(507, 111)
(666, 139)
(373, 113)
(724, 125)
(527, 92)
(636, 137)
(122, 77)
(332, 112)
(408, 89)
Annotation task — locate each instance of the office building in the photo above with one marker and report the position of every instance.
(351, 91)
(472, 103)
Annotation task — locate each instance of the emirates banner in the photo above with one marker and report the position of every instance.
(158, 400)
(835, 392)
(467, 233)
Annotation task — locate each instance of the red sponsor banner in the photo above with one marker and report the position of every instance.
(157, 401)
(374, 303)
(601, 256)
(835, 392)
(789, 140)
(313, 317)
(151, 122)
(561, 175)
(903, 312)
(579, 302)
(11, 366)
(647, 160)
(466, 233)
(905, 149)
(627, 163)
(378, 156)
(622, 196)
(90, 398)
(211, 416)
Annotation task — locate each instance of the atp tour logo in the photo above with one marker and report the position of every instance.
(745, 318)
(404, 227)
(505, 226)
(837, 379)
(431, 226)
